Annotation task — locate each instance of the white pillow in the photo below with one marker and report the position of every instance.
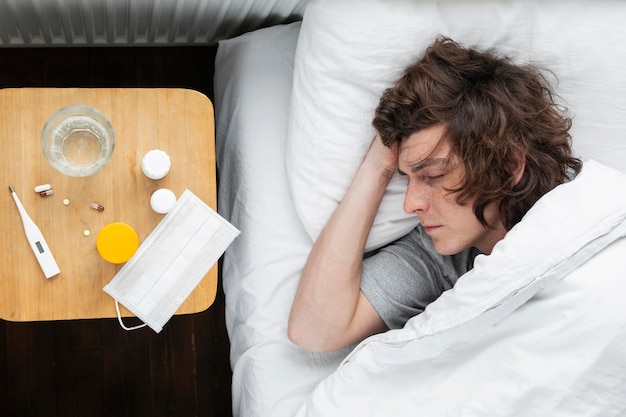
(262, 267)
(349, 51)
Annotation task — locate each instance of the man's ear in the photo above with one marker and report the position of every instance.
(519, 165)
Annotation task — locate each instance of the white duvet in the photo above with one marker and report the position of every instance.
(538, 328)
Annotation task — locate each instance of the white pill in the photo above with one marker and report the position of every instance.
(43, 187)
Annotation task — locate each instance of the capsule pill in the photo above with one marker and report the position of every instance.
(97, 206)
(46, 193)
(43, 187)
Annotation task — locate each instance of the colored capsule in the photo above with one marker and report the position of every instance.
(43, 187)
(46, 193)
(97, 206)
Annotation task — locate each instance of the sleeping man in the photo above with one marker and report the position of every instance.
(480, 140)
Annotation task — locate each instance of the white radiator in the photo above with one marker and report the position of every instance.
(136, 22)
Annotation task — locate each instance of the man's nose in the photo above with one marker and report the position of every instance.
(416, 199)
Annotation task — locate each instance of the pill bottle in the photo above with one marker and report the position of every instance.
(155, 164)
(163, 200)
(117, 242)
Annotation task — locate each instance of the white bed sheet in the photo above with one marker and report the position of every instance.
(271, 376)
(253, 89)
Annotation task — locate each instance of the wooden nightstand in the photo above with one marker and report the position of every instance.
(177, 121)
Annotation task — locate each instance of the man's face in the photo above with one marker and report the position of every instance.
(432, 170)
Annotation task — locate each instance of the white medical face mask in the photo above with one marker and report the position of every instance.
(171, 262)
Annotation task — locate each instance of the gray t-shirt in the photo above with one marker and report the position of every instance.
(402, 278)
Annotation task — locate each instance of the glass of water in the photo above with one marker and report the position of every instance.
(78, 140)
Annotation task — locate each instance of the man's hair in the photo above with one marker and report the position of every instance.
(494, 113)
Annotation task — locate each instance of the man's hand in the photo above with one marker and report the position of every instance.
(386, 156)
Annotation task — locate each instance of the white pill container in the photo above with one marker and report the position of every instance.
(163, 200)
(155, 164)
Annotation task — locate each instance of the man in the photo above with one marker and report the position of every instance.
(480, 140)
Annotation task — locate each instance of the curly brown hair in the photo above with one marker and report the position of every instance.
(494, 112)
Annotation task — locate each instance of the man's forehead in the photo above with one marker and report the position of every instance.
(424, 149)
(430, 136)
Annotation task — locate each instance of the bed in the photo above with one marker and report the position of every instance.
(537, 328)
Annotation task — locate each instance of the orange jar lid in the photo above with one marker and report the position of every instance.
(117, 242)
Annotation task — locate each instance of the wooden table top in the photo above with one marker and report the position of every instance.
(177, 121)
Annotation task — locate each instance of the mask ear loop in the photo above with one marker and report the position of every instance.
(119, 318)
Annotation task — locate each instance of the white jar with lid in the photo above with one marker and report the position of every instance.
(163, 200)
(155, 164)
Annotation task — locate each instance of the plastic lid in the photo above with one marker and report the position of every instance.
(163, 200)
(117, 242)
(155, 164)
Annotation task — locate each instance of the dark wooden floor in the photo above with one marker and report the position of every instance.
(93, 368)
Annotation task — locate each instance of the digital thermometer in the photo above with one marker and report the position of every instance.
(36, 241)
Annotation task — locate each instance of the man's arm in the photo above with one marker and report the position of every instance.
(329, 311)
